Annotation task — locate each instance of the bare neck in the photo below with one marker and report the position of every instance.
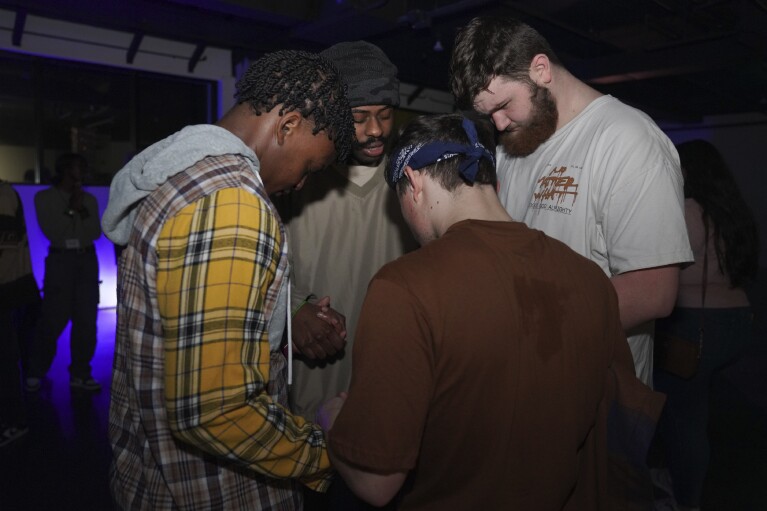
(241, 121)
(478, 202)
(571, 95)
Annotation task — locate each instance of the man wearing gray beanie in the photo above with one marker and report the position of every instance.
(342, 229)
(370, 76)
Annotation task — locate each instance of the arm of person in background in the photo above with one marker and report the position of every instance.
(319, 331)
(375, 489)
(89, 213)
(12, 231)
(52, 217)
(217, 355)
(646, 294)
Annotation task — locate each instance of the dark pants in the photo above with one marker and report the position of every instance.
(684, 422)
(11, 402)
(70, 292)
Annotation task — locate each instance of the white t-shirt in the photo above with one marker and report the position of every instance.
(609, 185)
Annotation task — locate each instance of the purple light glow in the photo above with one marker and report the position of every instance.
(38, 243)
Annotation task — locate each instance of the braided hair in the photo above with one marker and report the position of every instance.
(304, 82)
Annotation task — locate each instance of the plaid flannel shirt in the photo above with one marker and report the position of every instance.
(198, 418)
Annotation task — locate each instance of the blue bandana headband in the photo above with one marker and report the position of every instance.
(422, 155)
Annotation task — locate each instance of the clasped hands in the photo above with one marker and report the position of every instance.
(319, 331)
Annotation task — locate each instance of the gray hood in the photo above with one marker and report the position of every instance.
(159, 162)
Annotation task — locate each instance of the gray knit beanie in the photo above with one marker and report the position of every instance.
(367, 71)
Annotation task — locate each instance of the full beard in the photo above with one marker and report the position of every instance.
(542, 124)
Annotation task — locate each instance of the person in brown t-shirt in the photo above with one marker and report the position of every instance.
(485, 360)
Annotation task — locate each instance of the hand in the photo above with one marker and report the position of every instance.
(331, 315)
(318, 330)
(329, 410)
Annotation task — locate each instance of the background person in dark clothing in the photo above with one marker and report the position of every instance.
(17, 290)
(723, 231)
(69, 218)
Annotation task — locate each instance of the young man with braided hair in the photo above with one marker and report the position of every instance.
(581, 166)
(199, 416)
(485, 361)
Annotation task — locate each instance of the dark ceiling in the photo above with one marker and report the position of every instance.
(679, 60)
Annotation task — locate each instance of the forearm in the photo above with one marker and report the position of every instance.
(375, 489)
(91, 224)
(646, 294)
(223, 406)
(256, 432)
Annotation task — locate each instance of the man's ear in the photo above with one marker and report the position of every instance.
(415, 178)
(287, 125)
(540, 70)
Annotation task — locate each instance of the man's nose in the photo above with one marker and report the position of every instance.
(500, 120)
(373, 127)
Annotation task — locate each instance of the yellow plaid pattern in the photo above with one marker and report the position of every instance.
(216, 261)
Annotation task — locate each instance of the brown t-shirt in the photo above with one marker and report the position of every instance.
(479, 367)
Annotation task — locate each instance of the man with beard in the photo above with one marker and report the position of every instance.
(342, 229)
(580, 166)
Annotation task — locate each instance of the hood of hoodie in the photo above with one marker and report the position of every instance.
(153, 166)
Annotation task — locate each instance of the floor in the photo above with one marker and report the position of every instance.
(62, 463)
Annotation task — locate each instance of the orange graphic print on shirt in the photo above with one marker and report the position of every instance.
(557, 192)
